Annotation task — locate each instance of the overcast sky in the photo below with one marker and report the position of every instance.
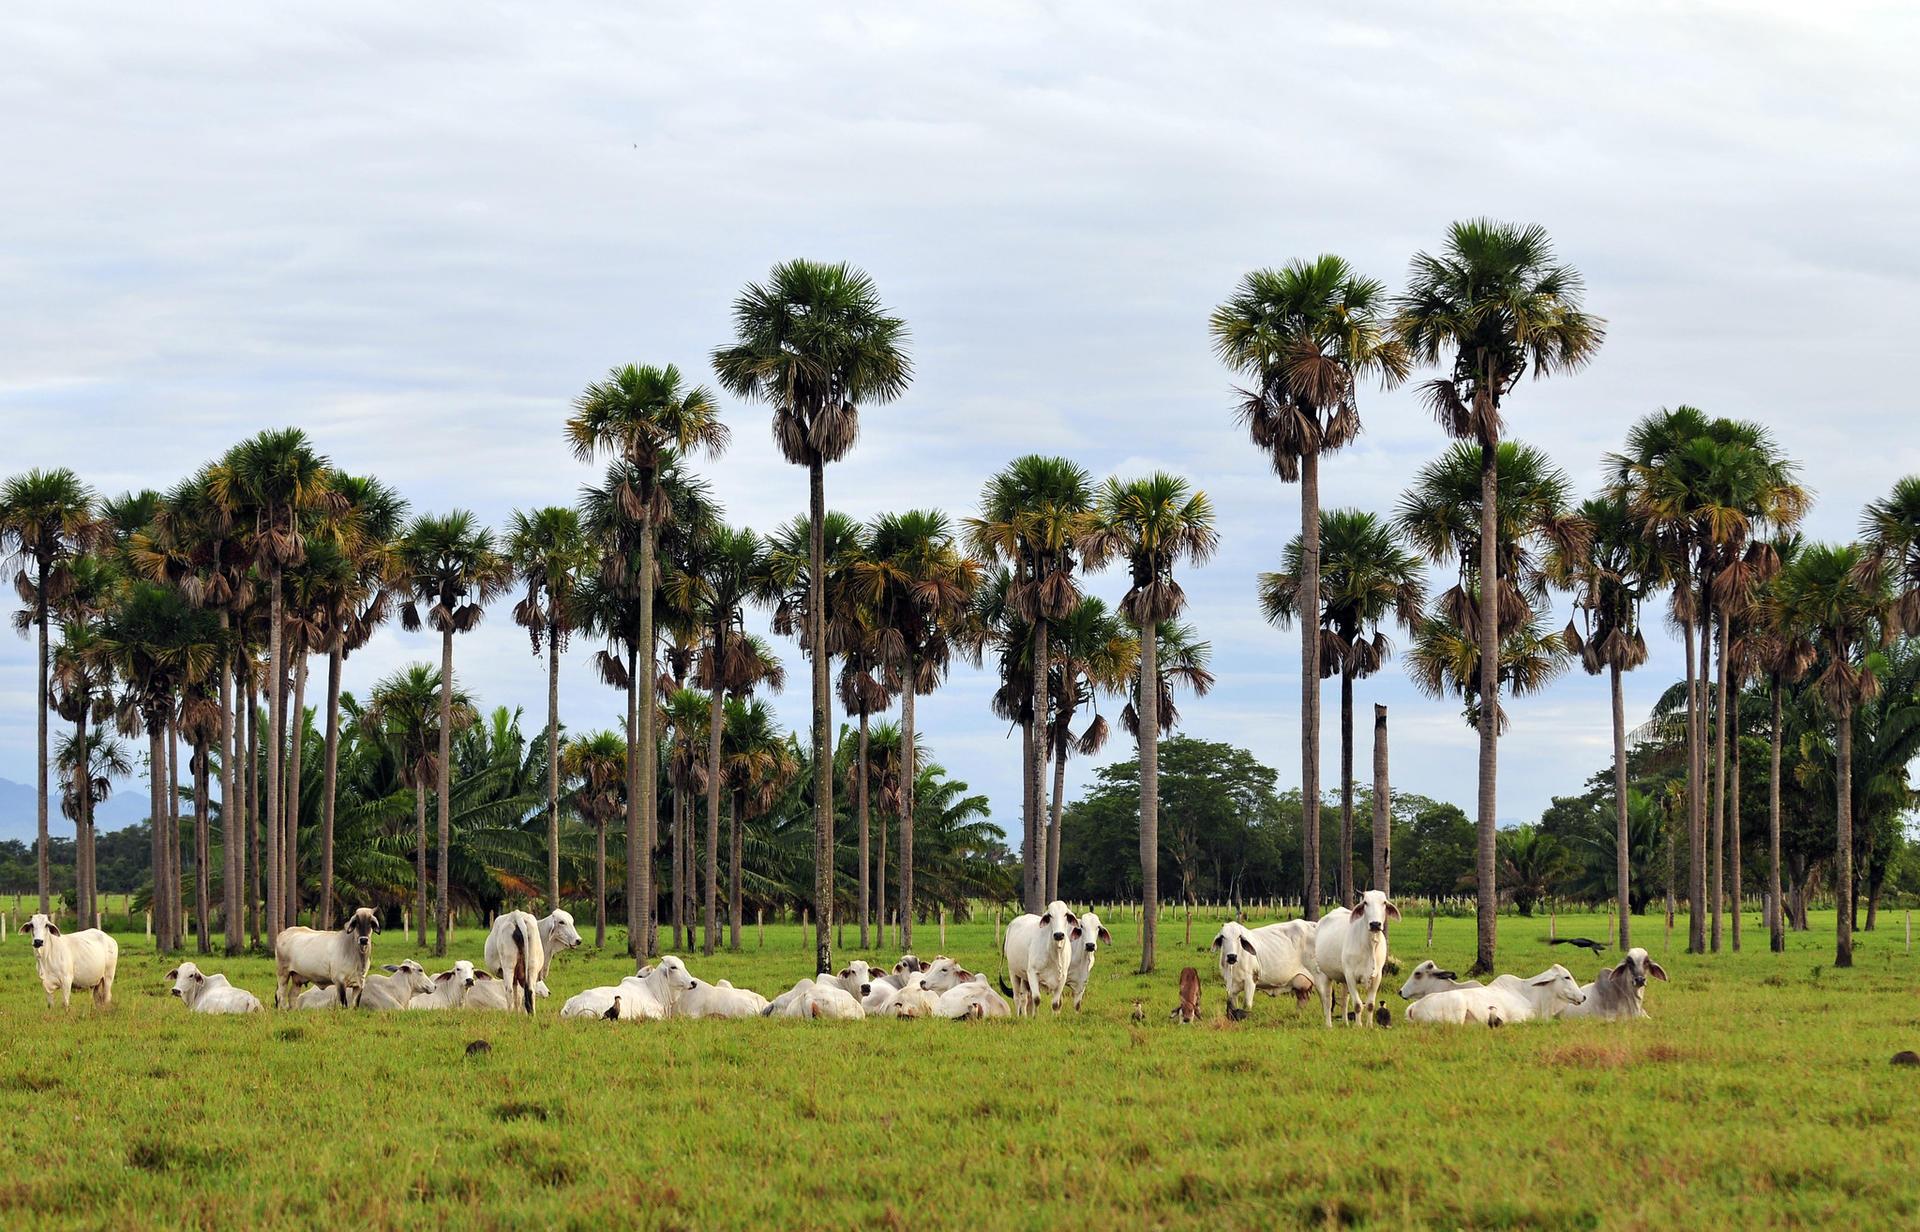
(419, 230)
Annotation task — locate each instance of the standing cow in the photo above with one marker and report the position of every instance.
(85, 959)
(1039, 951)
(338, 960)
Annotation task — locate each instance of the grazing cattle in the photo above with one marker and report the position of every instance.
(718, 1000)
(1085, 950)
(1508, 999)
(210, 994)
(515, 955)
(1620, 992)
(649, 994)
(84, 959)
(1428, 978)
(1189, 1008)
(1039, 950)
(1350, 949)
(1265, 959)
(451, 988)
(339, 960)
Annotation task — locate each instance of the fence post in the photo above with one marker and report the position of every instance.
(1909, 932)
(1429, 924)
(149, 927)
(943, 929)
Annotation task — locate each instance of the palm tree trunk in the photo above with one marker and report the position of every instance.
(676, 885)
(276, 704)
(1843, 841)
(599, 883)
(907, 771)
(734, 809)
(1382, 806)
(1703, 819)
(442, 913)
(1621, 863)
(175, 898)
(1696, 855)
(44, 870)
(860, 808)
(202, 847)
(822, 717)
(1053, 824)
(1346, 788)
(1733, 818)
(419, 857)
(82, 801)
(1036, 771)
(330, 782)
(880, 889)
(157, 814)
(1029, 826)
(296, 746)
(1777, 925)
(1720, 725)
(640, 756)
(1310, 683)
(1148, 712)
(1487, 900)
(232, 811)
(250, 771)
(553, 767)
(716, 726)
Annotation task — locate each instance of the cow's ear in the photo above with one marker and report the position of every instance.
(443, 977)
(198, 978)
(1247, 945)
(1620, 971)
(1072, 918)
(388, 967)
(1658, 972)
(172, 975)
(483, 975)
(376, 923)
(1359, 909)
(1047, 918)
(53, 930)
(1217, 940)
(1393, 912)
(1105, 935)
(847, 974)
(1444, 975)
(1076, 928)
(1546, 983)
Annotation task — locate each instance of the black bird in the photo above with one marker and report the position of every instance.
(479, 1048)
(1585, 943)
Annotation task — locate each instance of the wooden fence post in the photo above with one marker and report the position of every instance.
(943, 929)
(1429, 924)
(760, 924)
(149, 927)
(996, 927)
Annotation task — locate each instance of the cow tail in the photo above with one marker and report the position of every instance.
(1002, 981)
(520, 967)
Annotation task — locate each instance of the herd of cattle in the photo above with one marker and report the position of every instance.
(1048, 957)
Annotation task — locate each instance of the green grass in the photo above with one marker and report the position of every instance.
(1759, 1094)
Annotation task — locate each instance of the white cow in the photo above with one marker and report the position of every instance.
(650, 993)
(822, 998)
(515, 955)
(1428, 978)
(1038, 950)
(1620, 992)
(1085, 950)
(557, 933)
(392, 991)
(1508, 999)
(303, 956)
(973, 999)
(721, 1000)
(493, 995)
(1350, 949)
(84, 959)
(914, 1001)
(210, 994)
(1265, 959)
(451, 988)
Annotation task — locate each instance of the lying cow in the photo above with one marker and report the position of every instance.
(1428, 978)
(822, 998)
(718, 1000)
(1265, 959)
(649, 994)
(87, 958)
(1508, 999)
(210, 994)
(1621, 991)
(974, 998)
(451, 988)
(394, 990)
(339, 960)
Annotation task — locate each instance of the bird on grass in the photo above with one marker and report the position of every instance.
(1585, 943)
(1139, 1011)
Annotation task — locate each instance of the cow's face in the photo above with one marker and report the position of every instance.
(456, 982)
(857, 978)
(1637, 966)
(1560, 980)
(1374, 911)
(1427, 979)
(411, 976)
(675, 973)
(186, 977)
(942, 973)
(41, 927)
(361, 926)
(565, 936)
(1093, 933)
(1058, 921)
(1230, 943)
(907, 966)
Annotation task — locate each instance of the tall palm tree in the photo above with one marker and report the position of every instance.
(1610, 579)
(1849, 609)
(405, 711)
(815, 343)
(1890, 530)
(551, 556)
(1493, 304)
(1781, 648)
(1033, 516)
(759, 762)
(81, 692)
(920, 585)
(1304, 335)
(448, 566)
(865, 690)
(596, 764)
(643, 416)
(89, 760)
(1093, 653)
(1365, 578)
(46, 519)
(1444, 661)
(275, 481)
(1155, 523)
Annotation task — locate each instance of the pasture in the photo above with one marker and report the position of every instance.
(1759, 1094)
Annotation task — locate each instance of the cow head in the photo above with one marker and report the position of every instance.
(676, 976)
(942, 974)
(1637, 966)
(1374, 910)
(186, 978)
(560, 930)
(457, 982)
(361, 926)
(1093, 933)
(908, 965)
(856, 978)
(40, 927)
(1231, 942)
(1059, 921)
(1566, 989)
(1427, 978)
(411, 976)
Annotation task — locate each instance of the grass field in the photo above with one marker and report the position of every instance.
(1760, 1094)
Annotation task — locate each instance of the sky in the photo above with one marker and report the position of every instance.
(418, 231)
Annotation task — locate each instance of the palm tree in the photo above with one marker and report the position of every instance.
(81, 692)
(1444, 661)
(1849, 609)
(1610, 579)
(550, 555)
(448, 566)
(815, 343)
(1494, 303)
(405, 710)
(1033, 517)
(759, 762)
(46, 519)
(275, 480)
(596, 763)
(1305, 334)
(1890, 529)
(1365, 578)
(1782, 649)
(920, 586)
(865, 690)
(1155, 523)
(89, 761)
(644, 416)
(1093, 653)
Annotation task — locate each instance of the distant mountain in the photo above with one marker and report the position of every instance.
(127, 806)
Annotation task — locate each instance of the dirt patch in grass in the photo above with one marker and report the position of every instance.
(516, 1110)
(159, 1155)
(1589, 1055)
(24, 1081)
